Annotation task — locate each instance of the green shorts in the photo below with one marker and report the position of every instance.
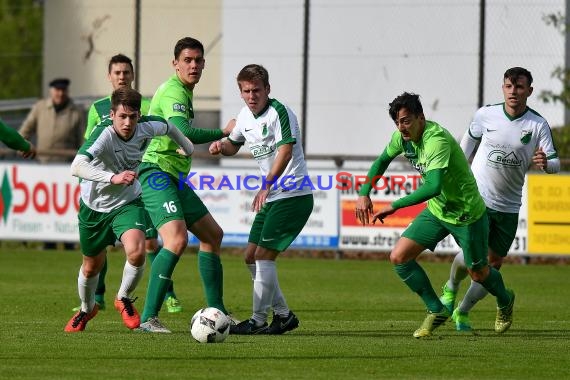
(97, 230)
(278, 223)
(166, 199)
(427, 230)
(502, 230)
(151, 232)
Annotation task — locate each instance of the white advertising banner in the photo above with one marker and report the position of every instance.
(383, 237)
(228, 194)
(40, 202)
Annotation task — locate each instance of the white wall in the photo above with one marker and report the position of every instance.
(364, 53)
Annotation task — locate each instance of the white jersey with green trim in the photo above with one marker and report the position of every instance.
(110, 153)
(505, 153)
(265, 133)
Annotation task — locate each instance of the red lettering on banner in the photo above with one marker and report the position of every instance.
(42, 199)
(41, 191)
(22, 187)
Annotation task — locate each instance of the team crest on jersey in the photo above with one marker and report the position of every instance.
(264, 129)
(177, 107)
(525, 136)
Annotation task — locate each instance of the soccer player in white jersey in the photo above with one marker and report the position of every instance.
(283, 205)
(509, 138)
(110, 207)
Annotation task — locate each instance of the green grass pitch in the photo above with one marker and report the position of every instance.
(357, 320)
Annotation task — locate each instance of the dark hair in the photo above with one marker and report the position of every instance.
(120, 58)
(407, 100)
(187, 43)
(515, 72)
(127, 97)
(252, 73)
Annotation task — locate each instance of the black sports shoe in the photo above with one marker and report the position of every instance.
(248, 327)
(280, 325)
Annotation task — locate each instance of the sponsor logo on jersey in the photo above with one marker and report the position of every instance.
(177, 107)
(259, 151)
(500, 158)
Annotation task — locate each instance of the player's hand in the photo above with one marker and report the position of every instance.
(31, 153)
(182, 152)
(259, 200)
(539, 158)
(364, 208)
(128, 177)
(380, 215)
(216, 147)
(229, 127)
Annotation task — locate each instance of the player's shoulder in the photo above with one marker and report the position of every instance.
(535, 115)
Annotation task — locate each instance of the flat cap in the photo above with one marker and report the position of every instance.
(60, 83)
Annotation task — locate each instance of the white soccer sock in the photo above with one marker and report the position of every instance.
(131, 277)
(458, 272)
(263, 289)
(280, 306)
(86, 289)
(475, 293)
(252, 270)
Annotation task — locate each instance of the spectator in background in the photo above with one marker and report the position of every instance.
(56, 122)
(13, 140)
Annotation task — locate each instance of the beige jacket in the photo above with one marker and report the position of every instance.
(53, 131)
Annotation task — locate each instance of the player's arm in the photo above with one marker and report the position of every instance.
(546, 157)
(364, 206)
(282, 158)
(82, 167)
(175, 134)
(13, 139)
(473, 135)
(92, 120)
(196, 135)
(469, 144)
(229, 146)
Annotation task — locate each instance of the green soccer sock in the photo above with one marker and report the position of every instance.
(212, 274)
(170, 291)
(100, 291)
(495, 285)
(158, 282)
(417, 280)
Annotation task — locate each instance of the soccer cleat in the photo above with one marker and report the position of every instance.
(248, 327)
(173, 305)
(100, 302)
(461, 320)
(130, 315)
(233, 320)
(79, 320)
(432, 321)
(280, 325)
(447, 298)
(153, 325)
(504, 318)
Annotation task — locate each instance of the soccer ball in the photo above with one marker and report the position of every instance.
(210, 325)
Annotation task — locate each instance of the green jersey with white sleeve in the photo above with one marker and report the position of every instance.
(265, 133)
(505, 153)
(459, 202)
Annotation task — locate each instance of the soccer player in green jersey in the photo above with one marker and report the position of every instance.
(454, 206)
(121, 74)
(14, 140)
(173, 206)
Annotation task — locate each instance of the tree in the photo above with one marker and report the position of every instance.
(21, 28)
